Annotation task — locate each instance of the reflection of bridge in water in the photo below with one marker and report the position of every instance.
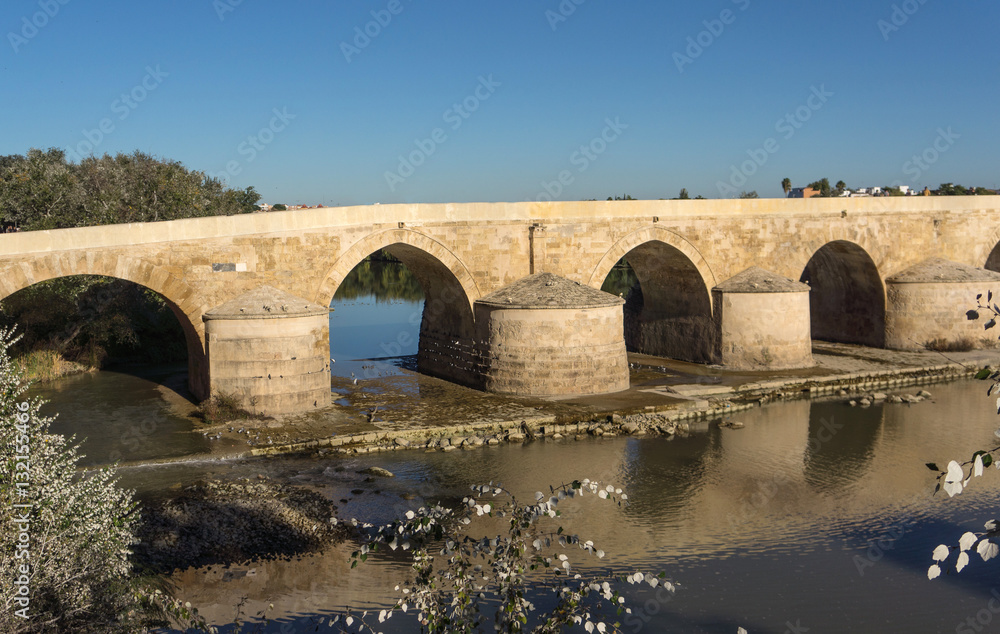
(846, 249)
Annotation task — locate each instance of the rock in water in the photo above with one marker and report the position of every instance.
(378, 471)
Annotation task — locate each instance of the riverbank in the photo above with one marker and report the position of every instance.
(412, 411)
(42, 366)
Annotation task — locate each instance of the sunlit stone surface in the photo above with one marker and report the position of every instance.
(270, 349)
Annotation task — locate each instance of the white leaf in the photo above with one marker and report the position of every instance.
(600, 554)
(967, 541)
(381, 616)
(410, 515)
(953, 479)
(941, 553)
(741, 631)
(349, 620)
(602, 494)
(977, 467)
(963, 561)
(934, 572)
(589, 626)
(987, 549)
(601, 627)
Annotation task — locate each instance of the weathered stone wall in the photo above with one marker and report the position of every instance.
(469, 250)
(920, 313)
(274, 366)
(547, 352)
(763, 331)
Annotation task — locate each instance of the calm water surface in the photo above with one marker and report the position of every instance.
(816, 515)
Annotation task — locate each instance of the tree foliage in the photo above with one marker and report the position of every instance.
(68, 542)
(957, 476)
(42, 190)
(88, 318)
(823, 187)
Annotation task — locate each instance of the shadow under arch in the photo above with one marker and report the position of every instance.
(993, 260)
(670, 313)
(847, 296)
(177, 295)
(447, 330)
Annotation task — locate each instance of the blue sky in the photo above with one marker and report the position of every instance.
(273, 95)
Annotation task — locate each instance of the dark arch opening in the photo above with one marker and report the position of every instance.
(993, 261)
(445, 340)
(847, 298)
(98, 320)
(115, 324)
(668, 309)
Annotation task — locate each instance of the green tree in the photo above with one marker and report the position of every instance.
(948, 189)
(625, 197)
(751, 194)
(42, 190)
(683, 195)
(279, 207)
(841, 186)
(823, 187)
(786, 185)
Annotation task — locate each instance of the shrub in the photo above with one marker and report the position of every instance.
(451, 591)
(65, 538)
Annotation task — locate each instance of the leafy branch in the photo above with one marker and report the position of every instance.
(456, 574)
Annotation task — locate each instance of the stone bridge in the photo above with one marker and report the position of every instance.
(846, 249)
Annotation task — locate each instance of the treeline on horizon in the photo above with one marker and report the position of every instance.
(44, 190)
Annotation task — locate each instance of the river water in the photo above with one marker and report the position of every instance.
(815, 515)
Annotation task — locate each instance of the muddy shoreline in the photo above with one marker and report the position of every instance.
(419, 412)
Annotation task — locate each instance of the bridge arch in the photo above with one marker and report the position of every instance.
(179, 297)
(671, 315)
(447, 329)
(992, 262)
(847, 297)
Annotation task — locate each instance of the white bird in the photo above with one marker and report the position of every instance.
(355, 381)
